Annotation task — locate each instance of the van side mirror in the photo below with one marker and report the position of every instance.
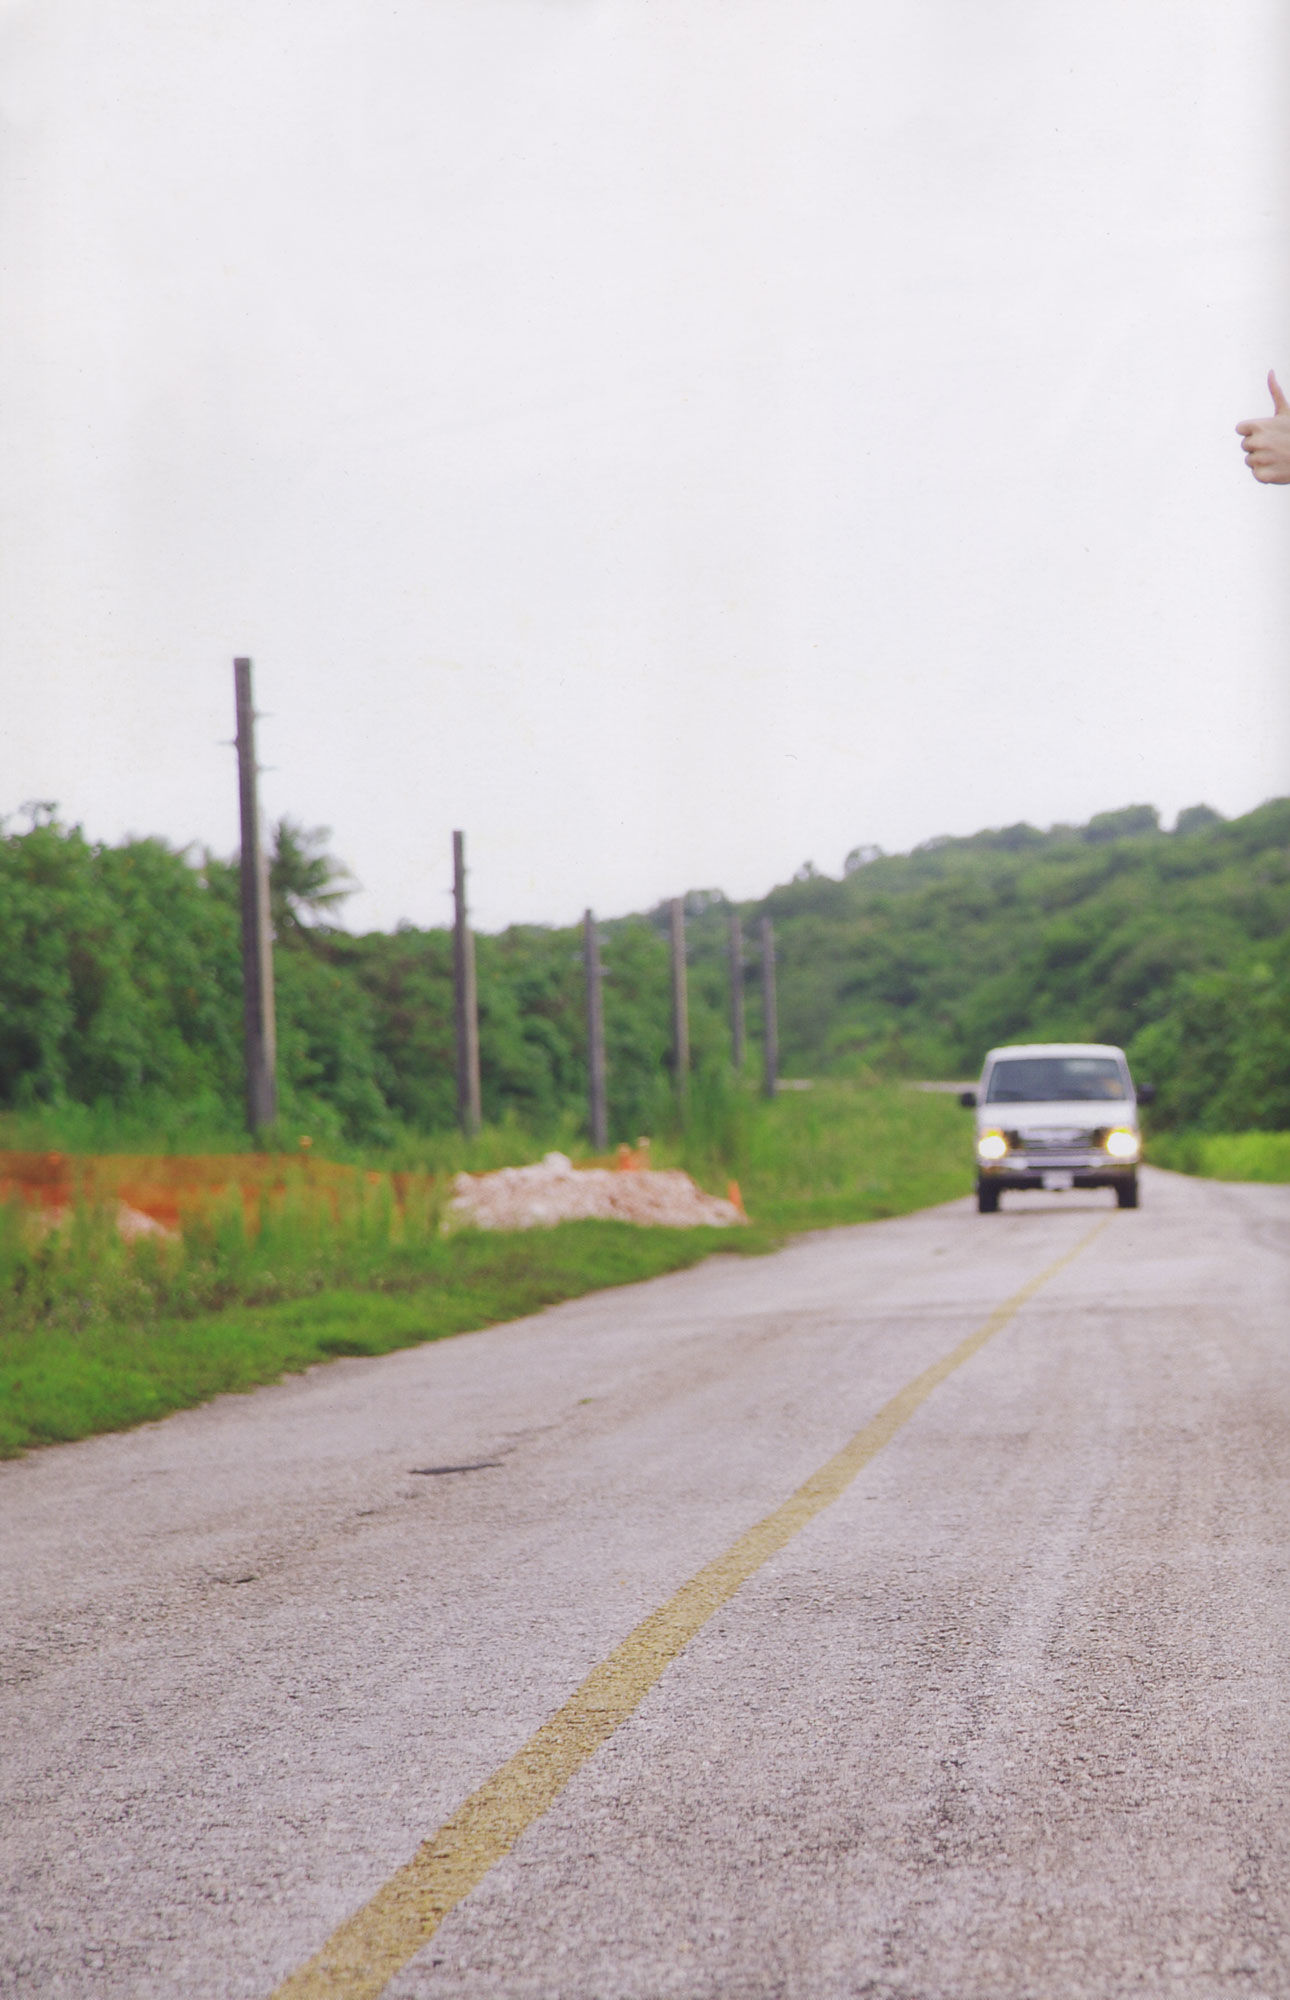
(967, 1098)
(1145, 1093)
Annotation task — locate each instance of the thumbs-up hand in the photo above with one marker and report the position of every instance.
(1267, 440)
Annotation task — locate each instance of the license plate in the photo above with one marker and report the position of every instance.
(1056, 1182)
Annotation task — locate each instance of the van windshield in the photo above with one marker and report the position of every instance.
(1055, 1080)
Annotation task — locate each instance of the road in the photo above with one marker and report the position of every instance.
(998, 1708)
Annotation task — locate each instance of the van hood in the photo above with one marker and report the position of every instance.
(1082, 1115)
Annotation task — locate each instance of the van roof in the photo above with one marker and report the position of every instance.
(1055, 1049)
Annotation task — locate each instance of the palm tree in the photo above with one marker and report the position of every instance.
(306, 884)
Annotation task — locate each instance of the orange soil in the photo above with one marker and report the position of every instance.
(169, 1189)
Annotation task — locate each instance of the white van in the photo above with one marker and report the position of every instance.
(1056, 1115)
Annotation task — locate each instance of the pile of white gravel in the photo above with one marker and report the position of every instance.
(554, 1190)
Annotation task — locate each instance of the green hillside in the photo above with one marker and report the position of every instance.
(1174, 944)
(120, 996)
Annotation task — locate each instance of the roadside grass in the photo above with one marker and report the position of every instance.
(1224, 1156)
(302, 1231)
(837, 1153)
(63, 1382)
(98, 1334)
(154, 1130)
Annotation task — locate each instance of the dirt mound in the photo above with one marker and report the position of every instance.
(554, 1190)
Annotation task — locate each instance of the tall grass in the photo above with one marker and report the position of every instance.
(368, 1231)
(1224, 1156)
(160, 1127)
(842, 1151)
(200, 1124)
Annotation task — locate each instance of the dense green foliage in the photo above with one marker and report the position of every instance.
(96, 1333)
(119, 981)
(120, 988)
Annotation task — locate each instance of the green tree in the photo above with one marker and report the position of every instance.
(306, 884)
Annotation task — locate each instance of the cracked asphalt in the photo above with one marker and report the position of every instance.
(1008, 1720)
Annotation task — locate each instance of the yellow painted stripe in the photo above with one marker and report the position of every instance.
(364, 1954)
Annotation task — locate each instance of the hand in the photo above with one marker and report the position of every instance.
(1267, 440)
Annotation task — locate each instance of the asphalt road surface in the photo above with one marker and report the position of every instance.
(994, 1705)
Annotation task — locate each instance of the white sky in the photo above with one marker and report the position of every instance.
(669, 441)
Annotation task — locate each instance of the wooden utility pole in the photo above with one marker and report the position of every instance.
(736, 991)
(597, 1101)
(465, 997)
(259, 1035)
(680, 1006)
(770, 1018)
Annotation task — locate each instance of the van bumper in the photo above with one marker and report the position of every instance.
(1036, 1177)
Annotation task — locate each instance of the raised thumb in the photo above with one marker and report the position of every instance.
(1279, 402)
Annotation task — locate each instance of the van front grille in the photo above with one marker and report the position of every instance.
(1049, 1142)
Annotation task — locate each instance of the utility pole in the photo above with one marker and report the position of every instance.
(680, 1006)
(597, 1103)
(736, 992)
(259, 1034)
(465, 997)
(770, 1018)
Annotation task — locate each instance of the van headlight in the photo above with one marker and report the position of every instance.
(1122, 1144)
(991, 1146)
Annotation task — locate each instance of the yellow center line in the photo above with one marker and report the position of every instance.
(365, 1952)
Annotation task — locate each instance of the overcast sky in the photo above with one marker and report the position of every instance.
(671, 441)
